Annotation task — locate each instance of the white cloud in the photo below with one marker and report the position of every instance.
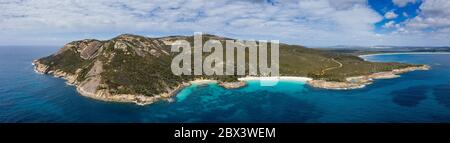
(390, 15)
(321, 22)
(390, 24)
(405, 14)
(434, 15)
(306, 22)
(402, 3)
(429, 28)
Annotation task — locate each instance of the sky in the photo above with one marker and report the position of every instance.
(313, 23)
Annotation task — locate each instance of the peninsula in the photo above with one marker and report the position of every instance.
(136, 69)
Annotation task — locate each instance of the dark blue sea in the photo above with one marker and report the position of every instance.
(420, 96)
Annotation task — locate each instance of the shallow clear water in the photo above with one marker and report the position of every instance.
(420, 96)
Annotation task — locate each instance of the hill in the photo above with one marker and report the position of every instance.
(132, 68)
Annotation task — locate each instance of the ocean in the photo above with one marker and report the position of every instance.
(420, 96)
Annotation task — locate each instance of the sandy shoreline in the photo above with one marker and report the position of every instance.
(350, 83)
(286, 78)
(242, 82)
(202, 81)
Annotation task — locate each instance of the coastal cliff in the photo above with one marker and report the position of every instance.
(128, 68)
(136, 69)
(92, 87)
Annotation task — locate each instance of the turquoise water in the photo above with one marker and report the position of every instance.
(420, 96)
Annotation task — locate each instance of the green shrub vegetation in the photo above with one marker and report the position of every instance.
(126, 72)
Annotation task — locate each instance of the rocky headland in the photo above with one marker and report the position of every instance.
(362, 81)
(136, 69)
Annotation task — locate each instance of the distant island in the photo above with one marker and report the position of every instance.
(136, 69)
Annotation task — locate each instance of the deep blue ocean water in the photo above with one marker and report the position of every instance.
(420, 96)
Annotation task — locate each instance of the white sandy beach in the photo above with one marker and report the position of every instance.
(203, 81)
(287, 78)
(250, 78)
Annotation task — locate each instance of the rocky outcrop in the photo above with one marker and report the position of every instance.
(87, 90)
(362, 81)
(233, 85)
(335, 85)
(39, 67)
(96, 69)
(90, 49)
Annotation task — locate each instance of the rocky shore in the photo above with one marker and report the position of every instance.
(233, 85)
(89, 88)
(362, 81)
(134, 69)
